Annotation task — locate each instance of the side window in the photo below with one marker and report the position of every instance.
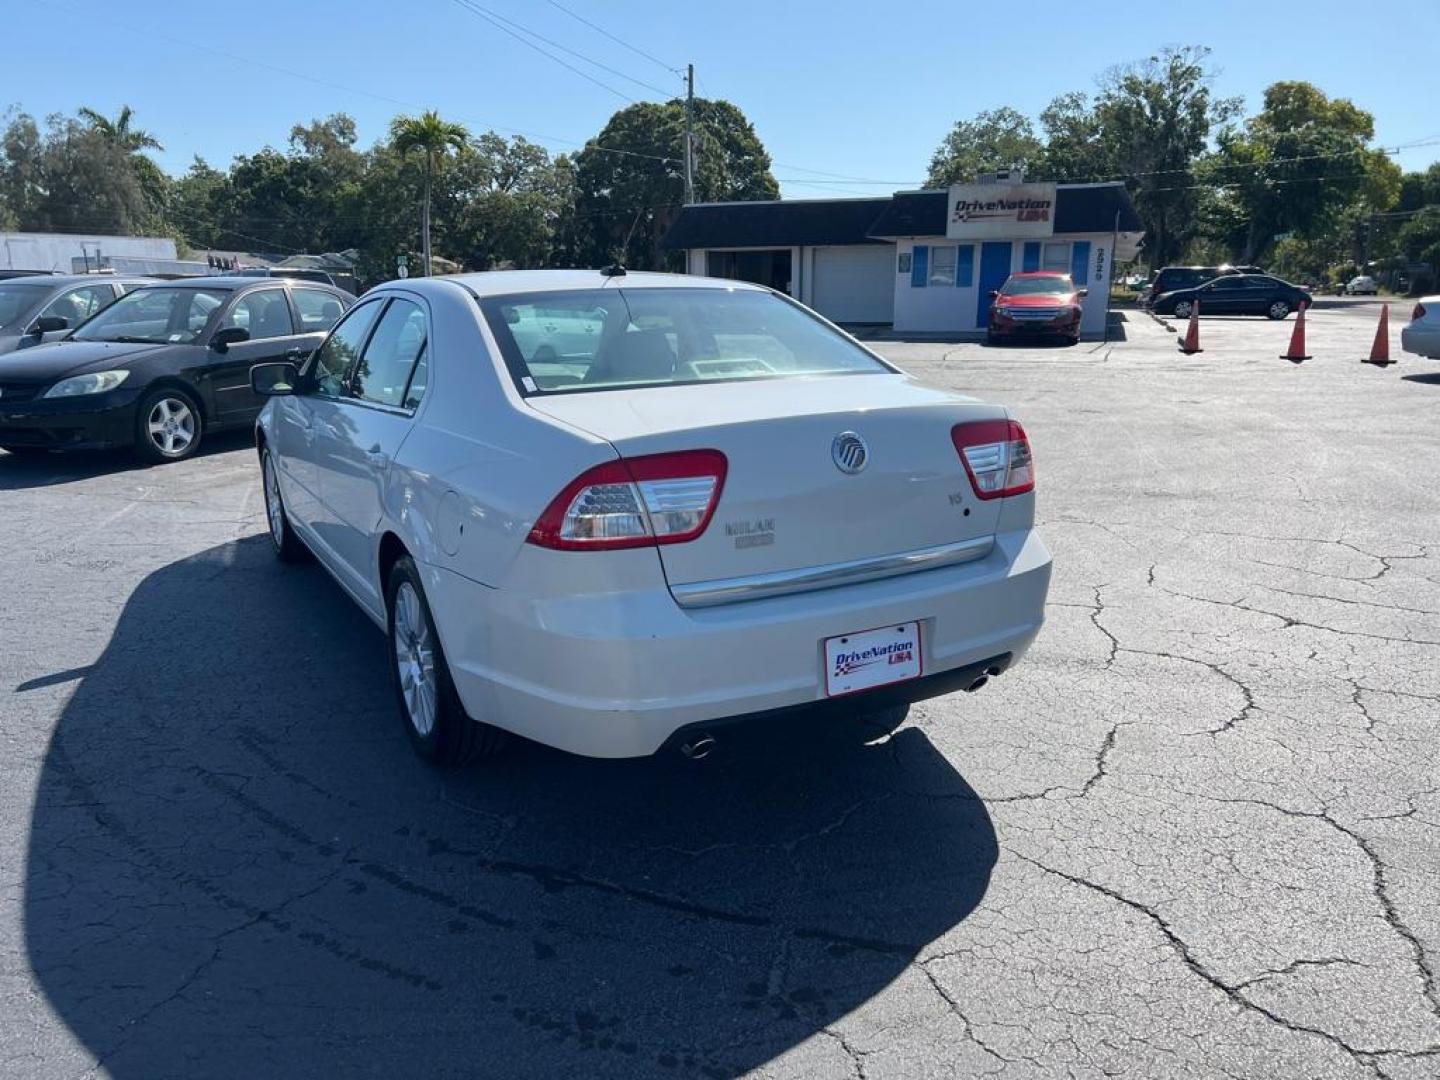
(77, 305)
(383, 373)
(264, 313)
(333, 359)
(318, 310)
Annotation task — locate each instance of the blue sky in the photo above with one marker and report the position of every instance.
(841, 91)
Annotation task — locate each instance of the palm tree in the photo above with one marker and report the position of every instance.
(434, 138)
(119, 130)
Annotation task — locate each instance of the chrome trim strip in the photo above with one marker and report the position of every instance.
(702, 594)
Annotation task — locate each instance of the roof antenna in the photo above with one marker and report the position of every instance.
(614, 270)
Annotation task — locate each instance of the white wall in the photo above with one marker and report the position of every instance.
(53, 251)
(953, 309)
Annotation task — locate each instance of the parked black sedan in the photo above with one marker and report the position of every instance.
(1235, 294)
(162, 365)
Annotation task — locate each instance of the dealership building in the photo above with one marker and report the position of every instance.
(918, 261)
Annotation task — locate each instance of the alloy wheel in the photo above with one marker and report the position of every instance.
(1182, 309)
(415, 659)
(171, 426)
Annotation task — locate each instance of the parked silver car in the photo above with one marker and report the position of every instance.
(46, 307)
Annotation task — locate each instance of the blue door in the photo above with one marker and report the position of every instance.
(994, 269)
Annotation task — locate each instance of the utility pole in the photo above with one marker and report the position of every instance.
(689, 133)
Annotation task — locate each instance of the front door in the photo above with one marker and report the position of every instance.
(265, 315)
(301, 418)
(356, 449)
(995, 259)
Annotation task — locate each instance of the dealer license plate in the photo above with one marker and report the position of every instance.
(870, 658)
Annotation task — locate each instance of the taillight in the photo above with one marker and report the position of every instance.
(1418, 313)
(634, 502)
(996, 456)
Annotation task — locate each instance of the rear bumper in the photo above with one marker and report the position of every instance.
(618, 674)
(1421, 340)
(87, 423)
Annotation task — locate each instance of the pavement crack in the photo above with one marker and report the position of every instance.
(1361, 1055)
(1298, 965)
(965, 1021)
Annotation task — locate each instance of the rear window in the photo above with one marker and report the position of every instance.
(603, 339)
(16, 300)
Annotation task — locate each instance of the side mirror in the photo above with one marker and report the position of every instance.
(274, 380)
(1082, 292)
(231, 335)
(48, 324)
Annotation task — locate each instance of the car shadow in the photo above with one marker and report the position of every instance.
(1429, 378)
(237, 868)
(21, 471)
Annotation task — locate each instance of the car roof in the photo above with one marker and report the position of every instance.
(60, 281)
(233, 284)
(1041, 274)
(505, 282)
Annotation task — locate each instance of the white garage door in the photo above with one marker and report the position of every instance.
(855, 284)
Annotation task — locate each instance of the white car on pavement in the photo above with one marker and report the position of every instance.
(1362, 286)
(613, 512)
(1422, 336)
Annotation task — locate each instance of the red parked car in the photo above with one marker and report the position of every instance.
(1039, 303)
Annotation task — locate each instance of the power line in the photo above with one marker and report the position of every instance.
(481, 13)
(486, 12)
(619, 41)
(247, 61)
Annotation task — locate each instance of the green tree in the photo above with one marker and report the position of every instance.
(630, 180)
(1298, 164)
(130, 139)
(1075, 148)
(433, 139)
(1156, 118)
(996, 139)
(1420, 237)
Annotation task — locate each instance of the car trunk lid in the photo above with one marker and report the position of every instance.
(796, 495)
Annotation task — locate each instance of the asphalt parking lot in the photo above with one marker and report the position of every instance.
(1196, 834)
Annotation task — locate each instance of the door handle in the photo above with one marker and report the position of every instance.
(377, 457)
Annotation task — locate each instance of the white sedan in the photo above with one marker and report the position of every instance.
(617, 512)
(1422, 336)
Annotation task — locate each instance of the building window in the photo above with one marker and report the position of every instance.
(904, 262)
(1057, 257)
(942, 266)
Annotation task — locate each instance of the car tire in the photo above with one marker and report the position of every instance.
(434, 719)
(1278, 310)
(1181, 309)
(168, 426)
(287, 546)
(991, 338)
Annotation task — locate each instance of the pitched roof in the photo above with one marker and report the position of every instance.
(775, 223)
(1079, 208)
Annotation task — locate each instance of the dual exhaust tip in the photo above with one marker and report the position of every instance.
(700, 745)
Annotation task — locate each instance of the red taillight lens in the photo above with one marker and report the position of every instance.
(996, 456)
(635, 502)
(1418, 313)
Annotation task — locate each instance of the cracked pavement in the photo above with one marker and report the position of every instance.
(1195, 833)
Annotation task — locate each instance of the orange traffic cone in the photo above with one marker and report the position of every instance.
(1380, 351)
(1190, 343)
(1296, 352)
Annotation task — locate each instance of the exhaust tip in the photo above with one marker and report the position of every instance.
(699, 747)
(977, 684)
